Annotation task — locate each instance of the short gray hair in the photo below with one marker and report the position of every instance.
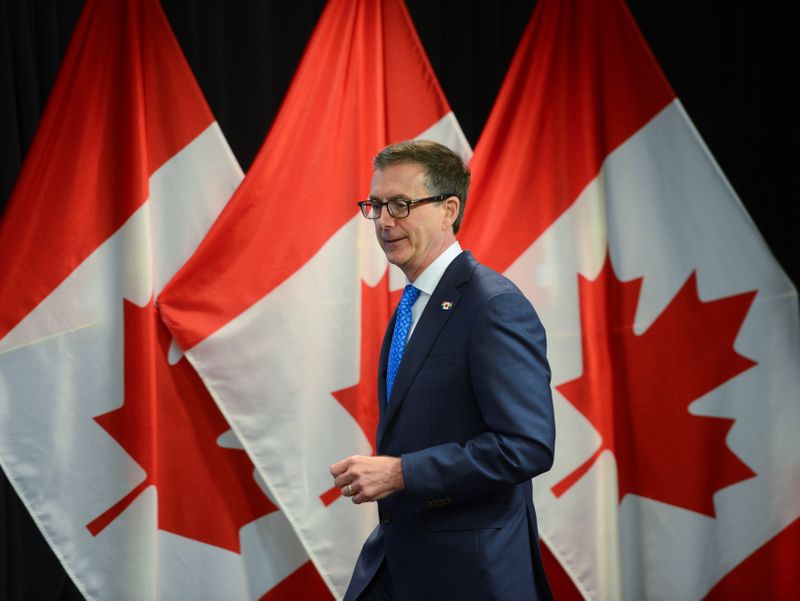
(445, 171)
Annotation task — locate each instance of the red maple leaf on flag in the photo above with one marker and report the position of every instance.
(170, 425)
(361, 400)
(636, 390)
(302, 584)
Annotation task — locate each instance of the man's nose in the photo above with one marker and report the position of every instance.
(385, 219)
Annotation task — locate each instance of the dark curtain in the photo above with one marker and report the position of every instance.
(734, 65)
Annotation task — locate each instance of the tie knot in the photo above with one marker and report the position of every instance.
(410, 295)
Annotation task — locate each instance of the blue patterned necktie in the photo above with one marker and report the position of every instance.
(401, 327)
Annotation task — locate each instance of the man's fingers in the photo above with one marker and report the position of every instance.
(340, 467)
(365, 479)
(343, 480)
(360, 497)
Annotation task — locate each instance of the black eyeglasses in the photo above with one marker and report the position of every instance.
(398, 208)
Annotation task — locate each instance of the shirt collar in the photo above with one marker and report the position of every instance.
(429, 279)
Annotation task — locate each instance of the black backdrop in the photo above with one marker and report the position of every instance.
(735, 66)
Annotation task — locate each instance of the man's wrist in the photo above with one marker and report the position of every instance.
(397, 476)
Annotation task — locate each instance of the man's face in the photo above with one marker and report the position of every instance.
(412, 243)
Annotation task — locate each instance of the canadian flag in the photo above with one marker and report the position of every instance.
(672, 332)
(106, 432)
(282, 308)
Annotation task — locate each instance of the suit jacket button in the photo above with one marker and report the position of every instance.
(386, 518)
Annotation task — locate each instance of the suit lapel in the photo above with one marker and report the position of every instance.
(430, 323)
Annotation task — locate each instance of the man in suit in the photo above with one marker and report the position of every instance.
(466, 414)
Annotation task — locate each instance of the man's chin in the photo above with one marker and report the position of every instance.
(394, 251)
(396, 257)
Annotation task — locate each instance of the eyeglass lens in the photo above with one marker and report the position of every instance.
(397, 208)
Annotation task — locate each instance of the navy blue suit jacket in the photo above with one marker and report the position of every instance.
(471, 416)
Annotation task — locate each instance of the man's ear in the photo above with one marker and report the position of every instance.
(451, 207)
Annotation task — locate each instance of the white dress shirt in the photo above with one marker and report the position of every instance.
(428, 280)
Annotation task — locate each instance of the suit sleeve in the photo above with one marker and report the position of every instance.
(511, 382)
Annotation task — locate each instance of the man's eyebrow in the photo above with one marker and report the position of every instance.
(391, 198)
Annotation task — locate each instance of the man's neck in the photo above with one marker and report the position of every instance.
(442, 248)
(430, 276)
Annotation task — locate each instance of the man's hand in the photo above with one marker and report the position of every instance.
(368, 478)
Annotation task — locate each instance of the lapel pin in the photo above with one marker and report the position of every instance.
(447, 305)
